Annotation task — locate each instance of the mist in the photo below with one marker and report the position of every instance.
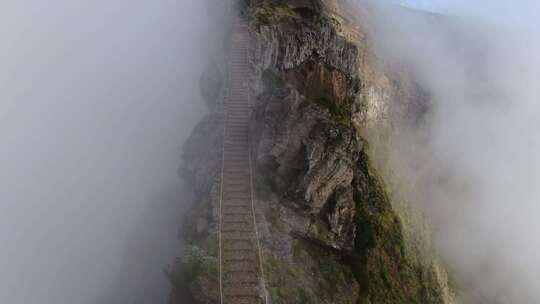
(96, 99)
(474, 160)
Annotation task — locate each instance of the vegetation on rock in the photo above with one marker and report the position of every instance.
(267, 13)
(380, 261)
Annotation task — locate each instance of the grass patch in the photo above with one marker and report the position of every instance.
(338, 113)
(297, 249)
(192, 264)
(380, 262)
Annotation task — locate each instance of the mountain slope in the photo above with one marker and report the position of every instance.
(328, 230)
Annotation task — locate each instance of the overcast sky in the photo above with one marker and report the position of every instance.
(519, 13)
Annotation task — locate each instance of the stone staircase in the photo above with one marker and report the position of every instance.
(241, 273)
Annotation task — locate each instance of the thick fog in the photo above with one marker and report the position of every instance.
(96, 98)
(475, 160)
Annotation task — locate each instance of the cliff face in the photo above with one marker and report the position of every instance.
(328, 230)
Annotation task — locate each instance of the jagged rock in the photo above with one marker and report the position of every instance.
(286, 45)
(315, 170)
(303, 136)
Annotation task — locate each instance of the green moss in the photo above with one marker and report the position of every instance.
(192, 264)
(339, 113)
(327, 103)
(380, 262)
(267, 13)
(453, 283)
(274, 294)
(278, 273)
(303, 295)
(314, 275)
(297, 249)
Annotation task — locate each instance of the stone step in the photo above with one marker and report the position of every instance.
(240, 102)
(236, 150)
(237, 196)
(240, 110)
(236, 228)
(236, 146)
(244, 187)
(236, 183)
(237, 107)
(235, 168)
(241, 277)
(244, 142)
(239, 150)
(237, 124)
(239, 175)
(239, 161)
(234, 137)
(236, 244)
(241, 143)
(239, 116)
(242, 300)
(236, 203)
(237, 129)
(237, 133)
(237, 155)
(240, 291)
(240, 255)
(246, 190)
(235, 210)
(240, 266)
(238, 236)
(238, 158)
(237, 219)
(236, 180)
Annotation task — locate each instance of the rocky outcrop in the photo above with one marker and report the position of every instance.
(306, 148)
(327, 228)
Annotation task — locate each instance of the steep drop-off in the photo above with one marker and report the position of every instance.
(328, 230)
